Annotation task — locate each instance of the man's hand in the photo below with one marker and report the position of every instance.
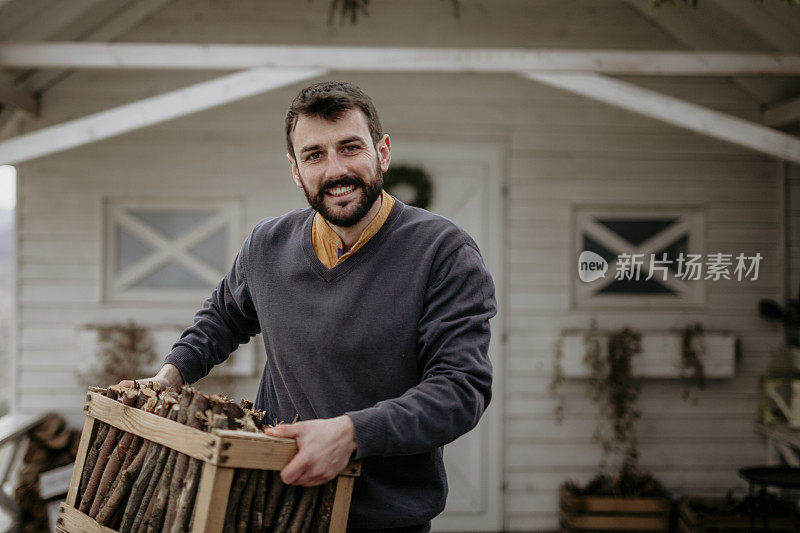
(324, 448)
(168, 376)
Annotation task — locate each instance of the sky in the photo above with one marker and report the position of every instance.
(8, 186)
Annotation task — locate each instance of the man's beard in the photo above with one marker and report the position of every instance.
(371, 192)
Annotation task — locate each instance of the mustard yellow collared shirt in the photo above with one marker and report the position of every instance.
(327, 243)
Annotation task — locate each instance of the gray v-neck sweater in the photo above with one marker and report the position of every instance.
(396, 337)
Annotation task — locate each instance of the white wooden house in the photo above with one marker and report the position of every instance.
(141, 167)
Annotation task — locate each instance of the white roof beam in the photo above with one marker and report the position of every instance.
(131, 14)
(692, 28)
(147, 112)
(675, 111)
(782, 113)
(354, 58)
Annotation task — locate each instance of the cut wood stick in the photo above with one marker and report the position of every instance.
(186, 500)
(304, 510)
(290, 496)
(188, 495)
(102, 459)
(142, 481)
(260, 497)
(246, 502)
(194, 419)
(91, 460)
(322, 515)
(240, 478)
(113, 467)
(276, 489)
(147, 513)
(116, 498)
(162, 498)
(144, 505)
(244, 481)
(147, 401)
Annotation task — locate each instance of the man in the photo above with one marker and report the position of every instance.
(375, 319)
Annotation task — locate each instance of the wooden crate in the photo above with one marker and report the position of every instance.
(222, 451)
(692, 518)
(591, 513)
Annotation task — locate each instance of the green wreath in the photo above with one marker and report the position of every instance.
(414, 177)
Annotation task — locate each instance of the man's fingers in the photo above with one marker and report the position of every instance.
(293, 471)
(286, 431)
(125, 383)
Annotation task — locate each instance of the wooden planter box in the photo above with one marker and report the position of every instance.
(708, 514)
(222, 451)
(591, 513)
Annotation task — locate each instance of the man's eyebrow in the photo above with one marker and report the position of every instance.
(348, 140)
(309, 148)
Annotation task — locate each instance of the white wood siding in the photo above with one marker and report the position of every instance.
(562, 151)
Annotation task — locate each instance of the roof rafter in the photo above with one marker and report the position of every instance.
(685, 25)
(147, 112)
(359, 58)
(16, 97)
(761, 22)
(782, 113)
(675, 111)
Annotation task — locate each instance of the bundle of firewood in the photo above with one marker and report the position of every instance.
(134, 485)
(51, 444)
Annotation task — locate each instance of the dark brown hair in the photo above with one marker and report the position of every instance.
(330, 100)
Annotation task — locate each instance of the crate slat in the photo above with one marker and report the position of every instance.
(341, 503)
(212, 494)
(87, 436)
(618, 523)
(71, 520)
(192, 442)
(612, 505)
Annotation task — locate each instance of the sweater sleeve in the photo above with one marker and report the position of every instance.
(227, 319)
(456, 374)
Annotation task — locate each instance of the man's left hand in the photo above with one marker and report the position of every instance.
(324, 448)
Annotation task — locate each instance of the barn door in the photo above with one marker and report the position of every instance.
(468, 189)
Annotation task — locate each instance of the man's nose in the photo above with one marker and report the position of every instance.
(335, 166)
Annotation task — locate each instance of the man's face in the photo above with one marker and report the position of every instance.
(337, 166)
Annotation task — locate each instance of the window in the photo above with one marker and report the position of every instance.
(168, 250)
(650, 246)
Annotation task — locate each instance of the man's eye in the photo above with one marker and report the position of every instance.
(314, 156)
(350, 148)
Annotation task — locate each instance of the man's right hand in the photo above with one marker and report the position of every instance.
(168, 376)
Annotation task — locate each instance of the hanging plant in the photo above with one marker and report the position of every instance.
(124, 350)
(412, 185)
(351, 10)
(615, 390)
(693, 348)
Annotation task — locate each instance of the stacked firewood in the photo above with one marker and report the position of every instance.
(134, 485)
(52, 444)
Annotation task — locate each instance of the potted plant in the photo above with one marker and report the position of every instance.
(621, 496)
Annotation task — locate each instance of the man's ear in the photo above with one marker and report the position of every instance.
(294, 170)
(384, 149)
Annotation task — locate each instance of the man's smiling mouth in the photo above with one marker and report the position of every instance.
(340, 190)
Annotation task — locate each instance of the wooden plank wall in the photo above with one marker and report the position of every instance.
(563, 151)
